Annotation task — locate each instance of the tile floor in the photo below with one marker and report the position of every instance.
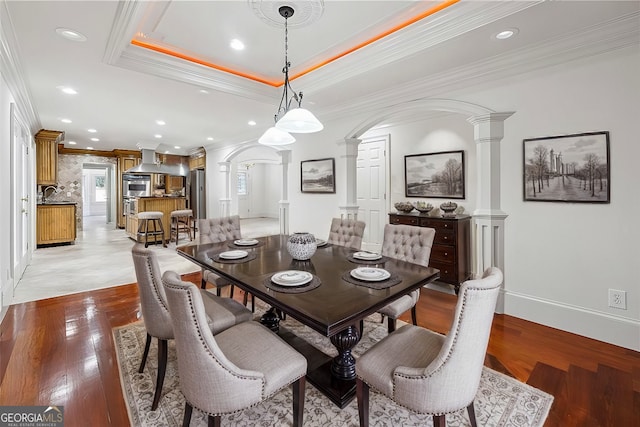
(101, 257)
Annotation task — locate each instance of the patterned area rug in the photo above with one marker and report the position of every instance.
(501, 400)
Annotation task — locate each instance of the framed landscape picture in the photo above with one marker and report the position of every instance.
(568, 168)
(318, 176)
(435, 175)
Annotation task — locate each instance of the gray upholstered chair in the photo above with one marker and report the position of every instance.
(407, 243)
(434, 374)
(221, 312)
(216, 230)
(234, 369)
(346, 232)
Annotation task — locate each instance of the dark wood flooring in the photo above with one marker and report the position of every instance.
(60, 351)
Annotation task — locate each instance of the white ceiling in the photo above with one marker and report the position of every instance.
(123, 89)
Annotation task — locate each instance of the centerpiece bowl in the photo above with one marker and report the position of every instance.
(449, 208)
(423, 207)
(405, 207)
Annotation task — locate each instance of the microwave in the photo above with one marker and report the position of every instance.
(136, 185)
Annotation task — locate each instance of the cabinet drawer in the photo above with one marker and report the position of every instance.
(443, 253)
(447, 271)
(405, 220)
(438, 224)
(445, 237)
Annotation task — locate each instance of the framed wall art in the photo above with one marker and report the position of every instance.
(435, 175)
(318, 176)
(567, 168)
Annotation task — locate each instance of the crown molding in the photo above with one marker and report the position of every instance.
(13, 72)
(606, 38)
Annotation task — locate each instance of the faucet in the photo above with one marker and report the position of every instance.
(44, 192)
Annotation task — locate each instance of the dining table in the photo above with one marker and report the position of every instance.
(340, 291)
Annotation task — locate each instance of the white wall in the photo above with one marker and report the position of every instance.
(560, 258)
(5, 194)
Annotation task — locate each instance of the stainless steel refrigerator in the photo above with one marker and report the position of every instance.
(197, 193)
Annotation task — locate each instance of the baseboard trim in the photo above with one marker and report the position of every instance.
(612, 329)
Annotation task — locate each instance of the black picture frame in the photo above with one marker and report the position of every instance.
(318, 176)
(571, 168)
(435, 175)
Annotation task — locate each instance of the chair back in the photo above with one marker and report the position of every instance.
(153, 301)
(208, 379)
(216, 230)
(408, 243)
(451, 380)
(346, 232)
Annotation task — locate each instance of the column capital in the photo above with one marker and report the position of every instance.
(285, 155)
(489, 127)
(225, 166)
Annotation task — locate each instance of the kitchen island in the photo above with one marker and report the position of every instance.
(166, 205)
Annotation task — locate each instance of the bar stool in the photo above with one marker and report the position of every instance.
(155, 219)
(181, 223)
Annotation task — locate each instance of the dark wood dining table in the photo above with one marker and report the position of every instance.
(335, 308)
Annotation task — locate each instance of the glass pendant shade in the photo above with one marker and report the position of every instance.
(275, 136)
(299, 120)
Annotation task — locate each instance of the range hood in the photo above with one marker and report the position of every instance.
(149, 165)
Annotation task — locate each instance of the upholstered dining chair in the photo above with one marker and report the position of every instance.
(346, 232)
(221, 312)
(216, 230)
(434, 374)
(407, 243)
(234, 369)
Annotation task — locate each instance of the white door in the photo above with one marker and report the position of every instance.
(22, 196)
(372, 190)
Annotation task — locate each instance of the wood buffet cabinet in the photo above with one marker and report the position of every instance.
(451, 251)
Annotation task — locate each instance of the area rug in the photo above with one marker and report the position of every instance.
(501, 400)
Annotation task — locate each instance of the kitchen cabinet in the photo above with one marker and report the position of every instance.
(451, 250)
(47, 156)
(55, 223)
(197, 161)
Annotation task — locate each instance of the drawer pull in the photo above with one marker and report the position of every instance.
(445, 254)
(446, 238)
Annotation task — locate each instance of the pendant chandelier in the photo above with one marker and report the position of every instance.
(289, 120)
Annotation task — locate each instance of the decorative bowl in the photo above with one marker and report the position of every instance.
(404, 207)
(423, 207)
(448, 208)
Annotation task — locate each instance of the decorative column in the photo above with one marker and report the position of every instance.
(284, 201)
(489, 218)
(350, 208)
(225, 202)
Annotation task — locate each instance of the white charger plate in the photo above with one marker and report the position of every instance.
(233, 254)
(246, 242)
(370, 274)
(367, 256)
(320, 242)
(291, 278)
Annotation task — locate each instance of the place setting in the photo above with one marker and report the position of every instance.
(292, 281)
(245, 244)
(371, 277)
(320, 243)
(367, 258)
(232, 257)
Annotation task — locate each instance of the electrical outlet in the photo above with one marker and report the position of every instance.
(618, 299)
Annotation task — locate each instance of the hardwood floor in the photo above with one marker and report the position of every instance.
(60, 351)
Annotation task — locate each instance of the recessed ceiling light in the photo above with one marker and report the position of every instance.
(65, 120)
(92, 130)
(160, 122)
(71, 142)
(209, 138)
(71, 35)
(252, 123)
(89, 148)
(68, 90)
(95, 139)
(506, 34)
(157, 135)
(206, 92)
(236, 44)
(166, 151)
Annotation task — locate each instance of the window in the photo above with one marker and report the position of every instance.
(242, 184)
(101, 191)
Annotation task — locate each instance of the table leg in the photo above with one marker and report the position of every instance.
(343, 366)
(271, 320)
